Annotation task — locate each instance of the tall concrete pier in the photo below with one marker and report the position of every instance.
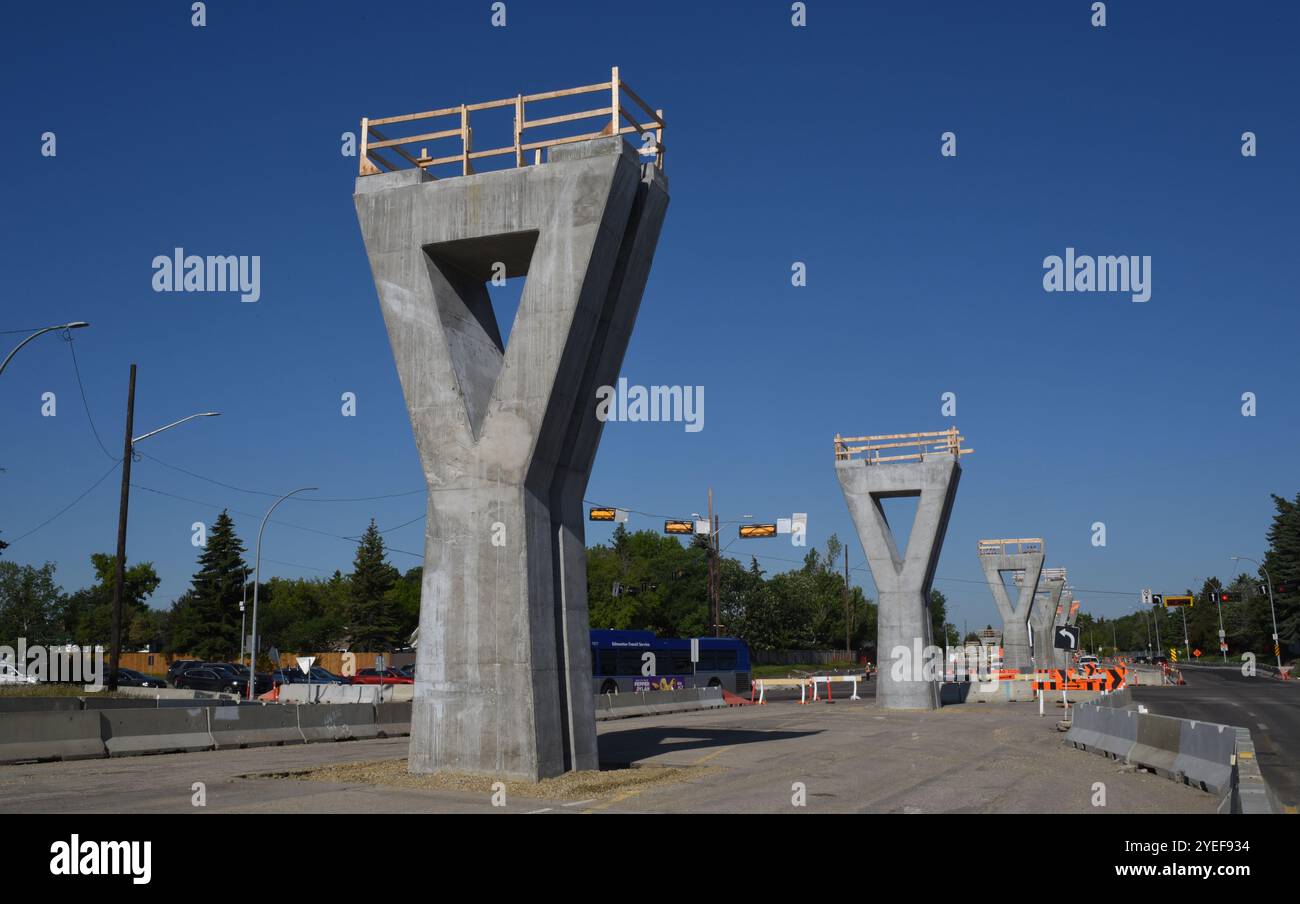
(1043, 614)
(998, 557)
(507, 432)
(929, 471)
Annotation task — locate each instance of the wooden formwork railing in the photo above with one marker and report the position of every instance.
(373, 141)
(1010, 547)
(938, 441)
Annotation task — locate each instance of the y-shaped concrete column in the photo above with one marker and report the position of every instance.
(903, 619)
(996, 559)
(1051, 583)
(507, 433)
(1072, 615)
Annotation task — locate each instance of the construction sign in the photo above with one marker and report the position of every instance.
(1197, 652)
(1173, 654)
(1070, 680)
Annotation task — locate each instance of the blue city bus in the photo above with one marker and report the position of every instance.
(618, 661)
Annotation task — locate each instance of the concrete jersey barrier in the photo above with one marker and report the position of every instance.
(148, 730)
(1205, 755)
(52, 735)
(650, 703)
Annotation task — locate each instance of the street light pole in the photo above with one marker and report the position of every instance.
(119, 568)
(74, 325)
(243, 606)
(1223, 638)
(1277, 648)
(257, 582)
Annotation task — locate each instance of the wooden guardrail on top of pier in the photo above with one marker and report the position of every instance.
(373, 141)
(922, 444)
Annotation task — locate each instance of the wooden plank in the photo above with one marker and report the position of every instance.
(464, 140)
(380, 135)
(380, 160)
(614, 102)
(491, 104)
(496, 152)
(657, 114)
(552, 142)
(659, 141)
(567, 92)
(635, 124)
(427, 136)
(568, 117)
(408, 117)
(438, 161)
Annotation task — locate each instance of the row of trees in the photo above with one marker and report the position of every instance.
(374, 607)
(639, 580)
(645, 580)
(1247, 623)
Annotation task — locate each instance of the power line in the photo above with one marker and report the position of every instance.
(239, 489)
(273, 521)
(82, 386)
(69, 506)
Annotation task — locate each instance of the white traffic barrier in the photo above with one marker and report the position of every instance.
(827, 679)
(764, 683)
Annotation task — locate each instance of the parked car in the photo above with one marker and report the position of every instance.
(132, 678)
(407, 671)
(227, 681)
(289, 676)
(321, 675)
(179, 666)
(11, 675)
(206, 679)
(388, 676)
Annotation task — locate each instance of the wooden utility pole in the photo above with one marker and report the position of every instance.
(713, 565)
(119, 577)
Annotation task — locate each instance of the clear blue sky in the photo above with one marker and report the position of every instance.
(817, 144)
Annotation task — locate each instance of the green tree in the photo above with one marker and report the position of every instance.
(1283, 563)
(371, 620)
(941, 633)
(86, 616)
(205, 622)
(30, 601)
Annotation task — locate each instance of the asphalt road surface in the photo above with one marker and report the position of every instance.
(849, 757)
(1268, 707)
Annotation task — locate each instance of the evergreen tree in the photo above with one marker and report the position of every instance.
(1283, 563)
(206, 620)
(372, 620)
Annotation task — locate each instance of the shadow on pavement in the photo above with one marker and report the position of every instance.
(619, 749)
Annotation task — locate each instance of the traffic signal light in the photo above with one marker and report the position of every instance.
(1226, 596)
(758, 530)
(679, 527)
(1287, 587)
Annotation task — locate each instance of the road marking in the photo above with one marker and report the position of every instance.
(578, 803)
(606, 804)
(542, 810)
(709, 756)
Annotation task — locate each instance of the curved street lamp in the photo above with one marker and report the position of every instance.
(74, 325)
(257, 582)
